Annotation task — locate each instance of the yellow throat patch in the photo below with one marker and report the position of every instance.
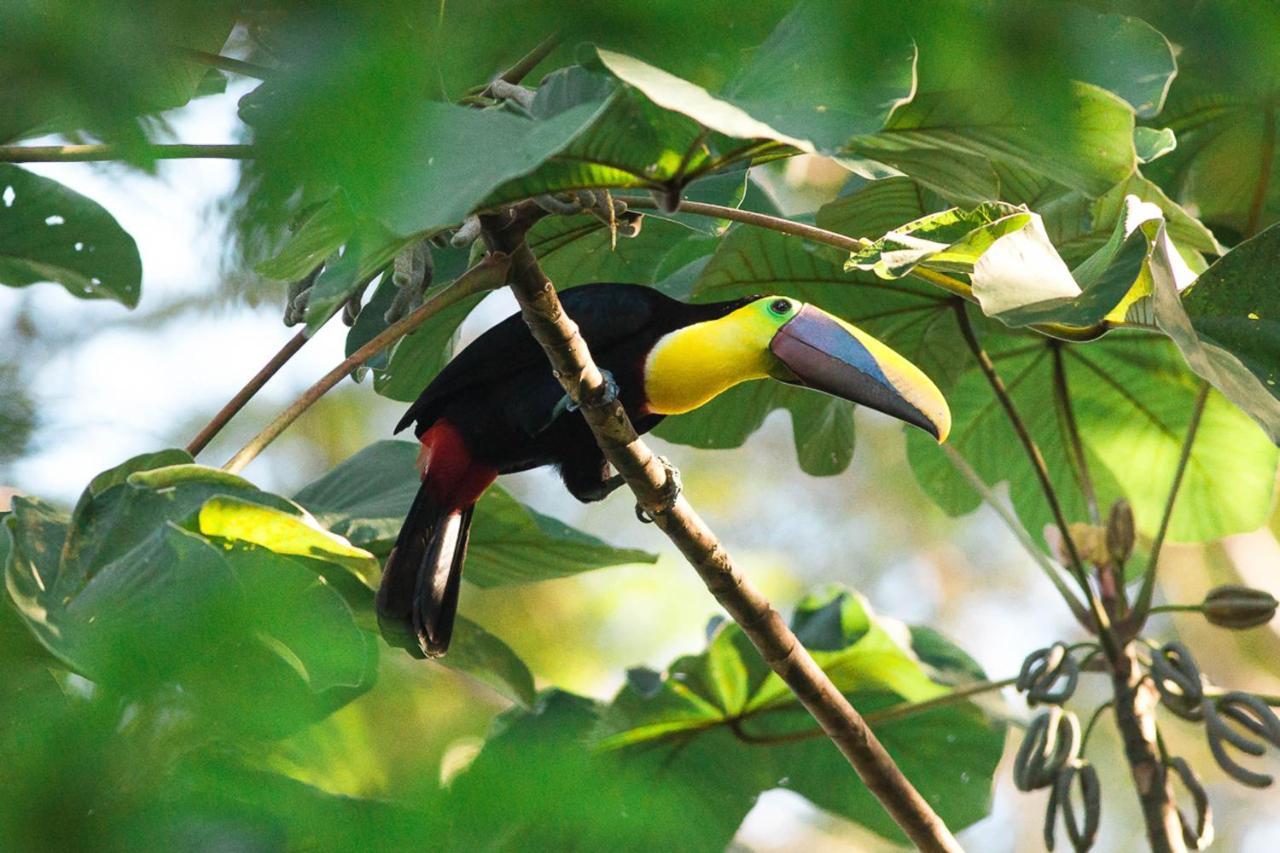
(690, 366)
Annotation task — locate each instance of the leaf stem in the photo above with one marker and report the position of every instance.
(530, 60)
(1258, 203)
(1063, 394)
(484, 275)
(1143, 604)
(98, 152)
(236, 403)
(1015, 527)
(885, 715)
(225, 63)
(1036, 458)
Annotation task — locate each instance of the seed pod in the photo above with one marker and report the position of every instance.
(1248, 712)
(1238, 607)
(1178, 679)
(1120, 532)
(1082, 834)
(1052, 740)
(1045, 668)
(1200, 835)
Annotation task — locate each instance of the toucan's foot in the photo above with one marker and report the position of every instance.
(670, 493)
(609, 393)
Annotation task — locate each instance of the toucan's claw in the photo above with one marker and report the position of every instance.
(671, 489)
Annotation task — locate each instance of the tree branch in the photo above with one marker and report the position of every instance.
(485, 275)
(651, 482)
(236, 403)
(94, 153)
(1143, 605)
(1135, 712)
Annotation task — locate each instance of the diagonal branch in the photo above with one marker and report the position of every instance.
(484, 275)
(242, 397)
(97, 152)
(651, 482)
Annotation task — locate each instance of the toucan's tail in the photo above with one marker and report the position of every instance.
(418, 597)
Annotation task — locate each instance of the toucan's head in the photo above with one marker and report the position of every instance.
(788, 340)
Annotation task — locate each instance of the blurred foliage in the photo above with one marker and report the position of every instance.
(189, 660)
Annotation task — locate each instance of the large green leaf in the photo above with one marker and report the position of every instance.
(554, 792)
(1091, 152)
(365, 498)
(49, 233)
(729, 687)
(823, 76)
(1228, 326)
(129, 593)
(1222, 110)
(1132, 398)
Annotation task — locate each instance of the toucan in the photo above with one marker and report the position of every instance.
(497, 408)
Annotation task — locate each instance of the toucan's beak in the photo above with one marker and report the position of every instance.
(827, 354)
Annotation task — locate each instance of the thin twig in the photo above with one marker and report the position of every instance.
(1258, 203)
(1036, 458)
(1063, 394)
(225, 63)
(529, 61)
(98, 152)
(651, 480)
(1143, 604)
(874, 718)
(236, 403)
(1015, 527)
(1093, 721)
(485, 275)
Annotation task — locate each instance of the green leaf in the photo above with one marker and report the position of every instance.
(949, 241)
(483, 656)
(511, 543)
(949, 753)
(1088, 147)
(1228, 326)
(575, 250)
(1151, 143)
(672, 93)
(365, 498)
(554, 792)
(314, 241)
(49, 233)
(827, 73)
(238, 520)
(126, 596)
(1132, 399)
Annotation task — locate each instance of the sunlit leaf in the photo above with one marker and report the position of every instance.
(237, 520)
(1132, 399)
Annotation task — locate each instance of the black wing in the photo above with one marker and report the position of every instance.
(605, 314)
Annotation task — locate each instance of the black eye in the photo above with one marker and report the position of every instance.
(781, 307)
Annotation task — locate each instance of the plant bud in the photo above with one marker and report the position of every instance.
(1238, 607)
(1120, 532)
